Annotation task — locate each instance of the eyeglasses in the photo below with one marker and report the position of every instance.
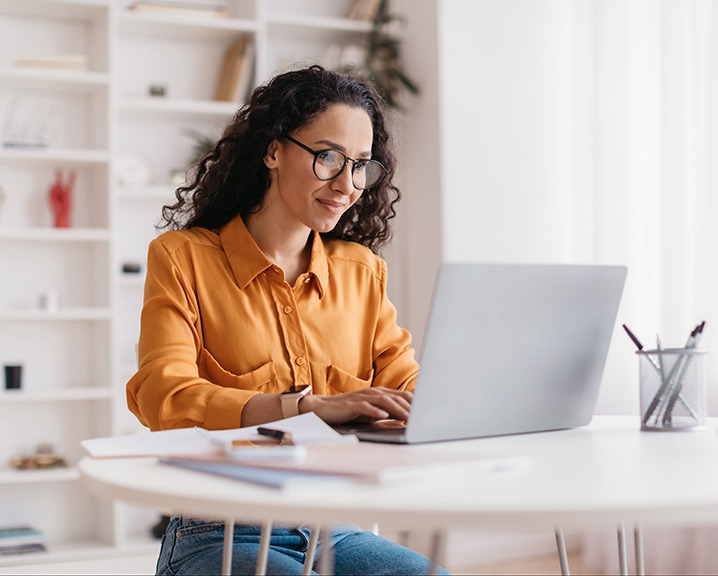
(329, 163)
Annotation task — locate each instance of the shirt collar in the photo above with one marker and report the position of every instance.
(318, 266)
(248, 261)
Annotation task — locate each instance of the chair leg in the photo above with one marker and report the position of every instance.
(561, 547)
(311, 550)
(622, 557)
(638, 546)
(438, 548)
(326, 561)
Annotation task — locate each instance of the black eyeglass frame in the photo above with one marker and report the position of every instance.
(316, 154)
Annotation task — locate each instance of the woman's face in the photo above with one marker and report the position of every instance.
(295, 193)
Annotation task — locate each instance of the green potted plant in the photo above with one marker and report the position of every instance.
(382, 64)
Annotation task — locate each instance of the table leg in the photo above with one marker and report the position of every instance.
(311, 550)
(228, 547)
(264, 537)
(402, 538)
(622, 558)
(561, 546)
(638, 546)
(438, 547)
(325, 560)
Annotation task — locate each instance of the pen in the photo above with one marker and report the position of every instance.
(638, 344)
(664, 383)
(280, 435)
(632, 336)
(675, 391)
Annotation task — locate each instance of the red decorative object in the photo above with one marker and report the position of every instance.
(61, 198)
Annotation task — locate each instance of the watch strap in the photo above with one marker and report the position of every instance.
(290, 402)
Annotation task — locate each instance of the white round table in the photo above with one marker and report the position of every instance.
(608, 473)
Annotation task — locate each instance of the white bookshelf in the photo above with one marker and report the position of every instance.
(78, 359)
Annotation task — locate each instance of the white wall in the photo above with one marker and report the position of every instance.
(505, 106)
(416, 251)
(525, 122)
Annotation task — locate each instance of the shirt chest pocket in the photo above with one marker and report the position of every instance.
(340, 381)
(262, 379)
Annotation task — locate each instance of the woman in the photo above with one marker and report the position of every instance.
(266, 300)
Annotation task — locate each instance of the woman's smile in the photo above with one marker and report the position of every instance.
(333, 206)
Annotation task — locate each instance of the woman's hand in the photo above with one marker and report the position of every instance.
(365, 405)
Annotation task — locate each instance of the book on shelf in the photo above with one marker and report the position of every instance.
(235, 77)
(21, 549)
(72, 62)
(364, 10)
(198, 8)
(20, 540)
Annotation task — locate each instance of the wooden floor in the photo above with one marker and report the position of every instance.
(535, 566)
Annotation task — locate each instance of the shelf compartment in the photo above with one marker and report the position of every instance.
(27, 214)
(78, 271)
(66, 366)
(60, 427)
(72, 520)
(43, 117)
(159, 53)
(42, 28)
(317, 40)
(166, 148)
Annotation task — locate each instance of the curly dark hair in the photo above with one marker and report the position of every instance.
(232, 178)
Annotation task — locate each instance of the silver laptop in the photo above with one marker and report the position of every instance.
(509, 349)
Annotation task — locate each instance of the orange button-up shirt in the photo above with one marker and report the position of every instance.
(220, 324)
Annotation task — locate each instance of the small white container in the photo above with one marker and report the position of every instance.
(673, 390)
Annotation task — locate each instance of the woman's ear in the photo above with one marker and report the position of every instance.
(270, 158)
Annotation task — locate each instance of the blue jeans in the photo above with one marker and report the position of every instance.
(192, 546)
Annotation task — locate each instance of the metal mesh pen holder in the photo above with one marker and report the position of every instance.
(673, 392)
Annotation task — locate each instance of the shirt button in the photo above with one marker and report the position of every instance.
(300, 361)
(287, 309)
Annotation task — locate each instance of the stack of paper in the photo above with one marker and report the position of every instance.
(305, 429)
(318, 453)
(362, 462)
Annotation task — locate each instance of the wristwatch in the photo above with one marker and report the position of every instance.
(291, 397)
